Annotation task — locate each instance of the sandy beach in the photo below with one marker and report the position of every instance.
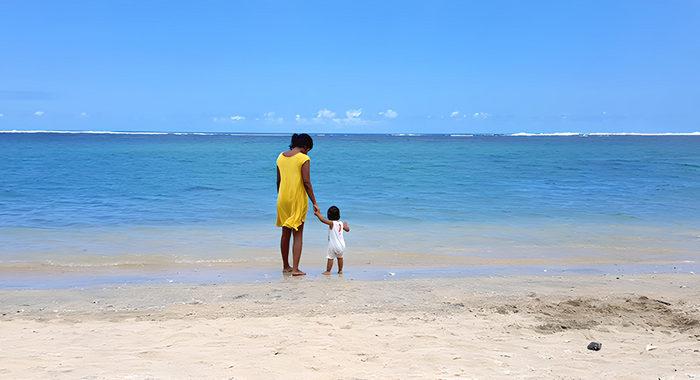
(521, 327)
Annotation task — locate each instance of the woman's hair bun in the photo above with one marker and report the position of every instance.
(301, 141)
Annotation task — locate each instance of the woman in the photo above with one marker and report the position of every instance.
(293, 188)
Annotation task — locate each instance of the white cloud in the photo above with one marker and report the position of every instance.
(354, 113)
(353, 117)
(301, 120)
(83, 114)
(39, 113)
(321, 116)
(0, 115)
(325, 113)
(482, 115)
(389, 113)
(269, 117)
(453, 114)
(231, 119)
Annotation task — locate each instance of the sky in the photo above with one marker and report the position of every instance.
(351, 67)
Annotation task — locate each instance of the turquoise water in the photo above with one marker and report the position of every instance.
(85, 200)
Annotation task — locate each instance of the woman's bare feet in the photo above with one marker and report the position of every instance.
(327, 273)
(340, 272)
(286, 269)
(298, 273)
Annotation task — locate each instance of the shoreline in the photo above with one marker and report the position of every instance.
(527, 327)
(208, 274)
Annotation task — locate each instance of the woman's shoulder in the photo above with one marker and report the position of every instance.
(298, 157)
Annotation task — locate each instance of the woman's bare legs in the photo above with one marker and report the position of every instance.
(284, 248)
(296, 250)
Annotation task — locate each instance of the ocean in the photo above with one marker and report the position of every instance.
(113, 203)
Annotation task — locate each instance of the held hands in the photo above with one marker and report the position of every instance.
(317, 210)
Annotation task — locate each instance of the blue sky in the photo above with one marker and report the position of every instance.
(351, 67)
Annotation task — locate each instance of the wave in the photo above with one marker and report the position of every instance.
(644, 134)
(606, 134)
(91, 132)
(202, 188)
(127, 260)
(547, 134)
(148, 133)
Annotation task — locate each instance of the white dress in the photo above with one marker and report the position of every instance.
(336, 242)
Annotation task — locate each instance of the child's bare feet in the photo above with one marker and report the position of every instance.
(327, 273)
(340, 272)
(298, 273)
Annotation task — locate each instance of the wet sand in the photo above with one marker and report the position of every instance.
(524, 327)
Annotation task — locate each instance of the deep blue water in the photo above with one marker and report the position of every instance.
(53, 180)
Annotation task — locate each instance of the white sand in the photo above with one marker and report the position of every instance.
(474, 328)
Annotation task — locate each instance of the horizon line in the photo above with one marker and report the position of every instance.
(413, 134)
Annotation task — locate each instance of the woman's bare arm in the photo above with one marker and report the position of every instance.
(306, 177)
(279, 179)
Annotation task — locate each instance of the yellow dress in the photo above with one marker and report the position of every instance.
(292, 200)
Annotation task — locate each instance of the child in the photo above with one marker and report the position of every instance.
(336, 242)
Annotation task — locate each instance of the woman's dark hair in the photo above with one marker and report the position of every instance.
(301, 141)
(333, 213)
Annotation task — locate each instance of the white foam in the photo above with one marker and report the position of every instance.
(547, 134)
(606, 134)
(644, 134)
(148, 133)
(90, 132)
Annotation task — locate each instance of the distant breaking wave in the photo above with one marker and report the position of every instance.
(605, 134)
(148, 133)
(91, 132)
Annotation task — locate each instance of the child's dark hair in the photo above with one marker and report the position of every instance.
(333, 213)
(301, 141)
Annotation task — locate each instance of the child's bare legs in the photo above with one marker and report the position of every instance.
(329, 266)
(340, 265)
(296, 250)
(284, 248)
